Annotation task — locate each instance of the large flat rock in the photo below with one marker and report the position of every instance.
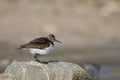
(36, 71)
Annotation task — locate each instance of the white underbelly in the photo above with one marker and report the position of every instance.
(44, 51)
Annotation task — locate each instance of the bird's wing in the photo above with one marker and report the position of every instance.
(41, 40)
(39, 43)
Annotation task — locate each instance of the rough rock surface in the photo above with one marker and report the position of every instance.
(36, 71)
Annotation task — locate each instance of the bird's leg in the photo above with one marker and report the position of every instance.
(36, 59)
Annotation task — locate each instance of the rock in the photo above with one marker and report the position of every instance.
(36, 71)
(3, 64)
(92, 69)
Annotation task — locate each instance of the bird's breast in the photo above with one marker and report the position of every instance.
(44, 51)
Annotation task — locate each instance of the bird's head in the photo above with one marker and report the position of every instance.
(52, 38)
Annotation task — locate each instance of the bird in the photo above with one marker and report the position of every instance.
(40, 46)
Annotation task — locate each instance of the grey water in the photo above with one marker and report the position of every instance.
(109, 71)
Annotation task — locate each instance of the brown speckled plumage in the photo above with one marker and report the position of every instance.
(38, 43)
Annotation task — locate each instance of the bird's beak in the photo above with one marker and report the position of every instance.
(58, 41)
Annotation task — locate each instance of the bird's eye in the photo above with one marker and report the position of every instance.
(52, 35)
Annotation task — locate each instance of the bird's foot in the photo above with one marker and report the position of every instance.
(37, 60)
(43, 62)
(46, 62)
(53, 61)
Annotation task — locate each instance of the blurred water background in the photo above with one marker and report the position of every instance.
(89, 30)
